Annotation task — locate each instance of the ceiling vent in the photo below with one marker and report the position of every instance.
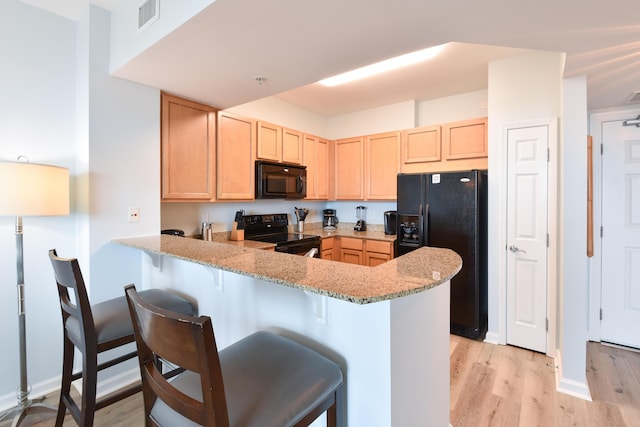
(148, 13)
(635, 97)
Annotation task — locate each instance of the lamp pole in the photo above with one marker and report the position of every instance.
(33, 190)
(25, 405)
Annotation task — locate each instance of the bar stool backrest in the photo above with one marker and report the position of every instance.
(187, 342)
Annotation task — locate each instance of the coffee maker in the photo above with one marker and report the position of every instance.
(329, 219)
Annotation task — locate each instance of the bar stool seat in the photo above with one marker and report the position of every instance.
(113, 322)
(93, 329)
(263, 380)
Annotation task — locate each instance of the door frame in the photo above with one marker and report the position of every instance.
(552, 229)
(596, 121)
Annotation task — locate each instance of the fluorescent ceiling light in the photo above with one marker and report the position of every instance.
(383, 66)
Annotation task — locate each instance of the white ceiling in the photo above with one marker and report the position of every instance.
(216, 56)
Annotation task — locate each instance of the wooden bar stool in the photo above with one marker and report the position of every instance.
(93, 329)
(263, 380)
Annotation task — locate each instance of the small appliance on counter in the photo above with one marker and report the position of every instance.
(237, 228)
(361, 218)
(390, 220)
(207, 231)
(329, 219)
(301, 214)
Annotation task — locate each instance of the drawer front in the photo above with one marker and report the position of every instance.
(379, 246)
(351, 243)
(327, 243)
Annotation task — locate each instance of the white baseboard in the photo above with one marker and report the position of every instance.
(492, 338)
(111, 384)
(570, 387)
(41, 389)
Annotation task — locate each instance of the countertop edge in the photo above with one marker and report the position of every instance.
(418, 271)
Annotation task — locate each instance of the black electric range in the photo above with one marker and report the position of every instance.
(274, 228)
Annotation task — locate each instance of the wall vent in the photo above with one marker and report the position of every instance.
(148, 13)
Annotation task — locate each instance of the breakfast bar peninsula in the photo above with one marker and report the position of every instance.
(387, 326)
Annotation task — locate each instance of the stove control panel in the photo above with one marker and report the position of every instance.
(265, 221)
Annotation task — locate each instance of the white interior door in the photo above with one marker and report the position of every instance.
(527, 237)
(621, 234)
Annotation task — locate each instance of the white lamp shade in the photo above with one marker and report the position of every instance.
(29, 189)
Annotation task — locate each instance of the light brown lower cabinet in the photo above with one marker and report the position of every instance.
(327, 248)
(365, 251)
(377, 252)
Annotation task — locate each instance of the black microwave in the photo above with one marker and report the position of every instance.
(280, 181)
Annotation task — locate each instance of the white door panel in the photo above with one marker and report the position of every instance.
(527, 237)
(621, 236)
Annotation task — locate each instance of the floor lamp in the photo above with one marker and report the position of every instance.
(28, 189)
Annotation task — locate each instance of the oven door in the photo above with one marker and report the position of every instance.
(299, 248)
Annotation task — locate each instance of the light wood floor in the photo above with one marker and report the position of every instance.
(491, 386)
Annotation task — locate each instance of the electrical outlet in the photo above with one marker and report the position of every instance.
(134, 214)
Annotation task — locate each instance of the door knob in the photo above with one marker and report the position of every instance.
(515, 249)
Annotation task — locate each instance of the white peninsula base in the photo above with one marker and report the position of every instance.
(394, 353)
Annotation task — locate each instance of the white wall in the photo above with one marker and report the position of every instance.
(128, 42)
(61, 107)
(124, 160)
(530, 88)
(453, 108)
(375, 120)
(37, 119)
(573, 301)
(274, 110)
(522, 88)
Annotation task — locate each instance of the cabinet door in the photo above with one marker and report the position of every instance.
(291, 146)
(188, 136)
(372, 259)
(377, 252)
(322, 169)
(382, 156)
(328, 255)
(351, 256)
(309, 146)
(327, 248)
(316, 159)
(466, 139)
(349, 171)
(269, 142)
(420, 146)
(236, 148)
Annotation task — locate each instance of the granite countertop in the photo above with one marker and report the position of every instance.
(414, 272)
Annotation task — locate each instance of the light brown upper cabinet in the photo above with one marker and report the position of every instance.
(188, 149)
(349, 169)
(316, 159)
(269, 143)
(278, 144)
(419, 146)
(236, 157)
(465, 140)
(291, 146)
(382, 164)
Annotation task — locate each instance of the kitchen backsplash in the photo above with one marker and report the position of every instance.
(189, 216)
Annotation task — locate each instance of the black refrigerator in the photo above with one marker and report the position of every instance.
(449, 210)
